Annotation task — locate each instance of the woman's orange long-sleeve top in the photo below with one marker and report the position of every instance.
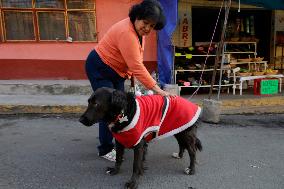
(121, 50)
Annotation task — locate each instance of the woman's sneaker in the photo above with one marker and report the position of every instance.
(111, 156)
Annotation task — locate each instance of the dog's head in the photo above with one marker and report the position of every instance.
(105, 104)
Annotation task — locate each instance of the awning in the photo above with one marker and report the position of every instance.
(268, 4)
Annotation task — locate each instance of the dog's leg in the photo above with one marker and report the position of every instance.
(191, 148)
(189, 137)
(187, 140)
(137, 165)
(119, 158)
(145, 152)
(181, 148)
(193, 144)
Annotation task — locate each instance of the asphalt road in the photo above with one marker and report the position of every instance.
(57, 152)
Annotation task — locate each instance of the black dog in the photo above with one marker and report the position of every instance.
(156, 116)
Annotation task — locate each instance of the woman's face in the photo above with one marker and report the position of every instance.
(143, 27)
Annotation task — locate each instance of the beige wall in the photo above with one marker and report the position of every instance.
(63, 60)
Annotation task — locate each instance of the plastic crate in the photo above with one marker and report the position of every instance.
(266, 86)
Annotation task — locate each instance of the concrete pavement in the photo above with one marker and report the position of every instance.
(57, 152)
(70, 96)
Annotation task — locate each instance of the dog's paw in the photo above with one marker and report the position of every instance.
(189, 171)
(111, 171)
(131, 185)
(176, 155)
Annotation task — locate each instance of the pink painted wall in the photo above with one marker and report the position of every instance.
(107, 12)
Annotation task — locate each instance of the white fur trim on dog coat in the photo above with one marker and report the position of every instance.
(151, 122)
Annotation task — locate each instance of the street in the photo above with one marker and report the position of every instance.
(57, 152)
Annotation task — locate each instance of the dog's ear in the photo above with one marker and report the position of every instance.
(119, 100)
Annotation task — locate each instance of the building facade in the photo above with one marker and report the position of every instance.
(51, 39)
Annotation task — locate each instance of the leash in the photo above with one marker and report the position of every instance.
(132, 86)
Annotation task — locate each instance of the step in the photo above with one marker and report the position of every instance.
(45, 87)
(43, 100)
(45, 104)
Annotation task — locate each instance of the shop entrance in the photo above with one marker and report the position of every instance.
(247, 25)
(247, 49)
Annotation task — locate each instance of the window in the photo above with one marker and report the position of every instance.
(19, 25)
(78, 23)
(51, 25)
(17, 3)
(53, 20)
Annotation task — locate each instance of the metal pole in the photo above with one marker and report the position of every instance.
(227, 8)
(220, 48)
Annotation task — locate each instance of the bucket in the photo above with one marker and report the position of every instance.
(172, 88)
(211, 111)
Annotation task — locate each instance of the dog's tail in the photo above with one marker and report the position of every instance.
(198, 144)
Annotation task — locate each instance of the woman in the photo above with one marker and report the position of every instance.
(119, 55)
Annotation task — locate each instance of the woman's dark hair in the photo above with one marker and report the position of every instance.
(148, 10)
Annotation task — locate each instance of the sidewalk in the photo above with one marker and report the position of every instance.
(70, 96)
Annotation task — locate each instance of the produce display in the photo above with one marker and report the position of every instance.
(271, 72)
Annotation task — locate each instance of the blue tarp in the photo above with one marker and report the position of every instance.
(165, 47)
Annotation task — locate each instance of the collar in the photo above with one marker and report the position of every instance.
(135, 118)
(120, 118)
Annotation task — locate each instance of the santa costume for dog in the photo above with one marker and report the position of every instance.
(158, 117)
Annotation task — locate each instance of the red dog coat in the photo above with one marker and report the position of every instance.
(149, 118)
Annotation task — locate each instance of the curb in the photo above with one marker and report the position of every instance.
(41, 109)
(260, 105)
(235, 106)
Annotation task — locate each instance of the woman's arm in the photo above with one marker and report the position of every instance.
(129, 48)
(132, 53)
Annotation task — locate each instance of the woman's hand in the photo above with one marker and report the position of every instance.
(159, 91)
(165, 93)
